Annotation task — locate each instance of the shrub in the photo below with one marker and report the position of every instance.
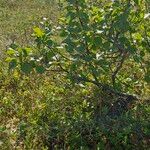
(98, 56)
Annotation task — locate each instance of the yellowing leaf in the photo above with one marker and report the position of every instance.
(38, 32)
(10, 51)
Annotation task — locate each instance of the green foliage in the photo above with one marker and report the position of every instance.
(38, 114)
(98, 43)
(50, 101)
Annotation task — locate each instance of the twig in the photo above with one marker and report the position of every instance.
(119, 66)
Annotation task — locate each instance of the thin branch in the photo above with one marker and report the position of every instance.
(119, 66)
(103, 87)
(86, 44)
(59, 62)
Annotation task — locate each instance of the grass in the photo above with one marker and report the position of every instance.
(17, 17)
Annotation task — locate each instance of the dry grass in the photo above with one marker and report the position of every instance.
(17, 17)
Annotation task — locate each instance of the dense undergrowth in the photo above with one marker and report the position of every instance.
(39, 112)
(43, 107)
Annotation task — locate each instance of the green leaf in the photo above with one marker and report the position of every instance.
(10, 51)
(63, 33)
(25, 52)
(13, 46)
(33, 63)
(26, 67)
(97, 41)
(73, 67)
(12, 64)
(40, 69)
(80, 48)
(70, 45)
(38, 32)
(49, 43)
(147, 78)
(137, 58)
(142, 53)
(2, 128)
(49, 55)
(87, 58)
(137, 2)
(106, 46)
